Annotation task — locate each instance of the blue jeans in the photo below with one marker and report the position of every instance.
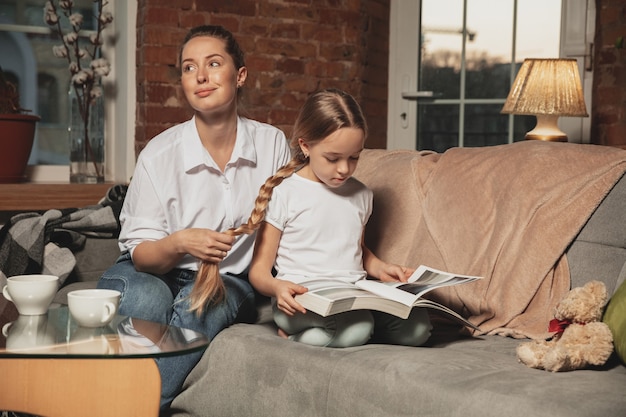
(164, 299)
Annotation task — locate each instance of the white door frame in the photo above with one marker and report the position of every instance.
(402, 114)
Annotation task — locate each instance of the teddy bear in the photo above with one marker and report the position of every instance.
(581, 339)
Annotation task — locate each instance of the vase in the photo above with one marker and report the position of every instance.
(86, 136)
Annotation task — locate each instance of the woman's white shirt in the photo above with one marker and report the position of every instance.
(177, 185)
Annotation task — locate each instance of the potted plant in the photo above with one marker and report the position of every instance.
(17, 133)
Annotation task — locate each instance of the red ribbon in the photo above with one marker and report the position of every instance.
(558, 326)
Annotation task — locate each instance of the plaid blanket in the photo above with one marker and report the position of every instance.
(44, 243)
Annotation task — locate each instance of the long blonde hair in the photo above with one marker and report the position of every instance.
(323, 113)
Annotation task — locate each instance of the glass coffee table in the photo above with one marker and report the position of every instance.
(52, 367)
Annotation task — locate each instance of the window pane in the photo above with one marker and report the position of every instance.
(441, 44)
(491, 23)
(521, 125)
(488, 80)
(42, 79)
(438, 127)
(488, 51)
(485, 126)
(538, 29)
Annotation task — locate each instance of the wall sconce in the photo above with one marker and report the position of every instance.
(547, 89)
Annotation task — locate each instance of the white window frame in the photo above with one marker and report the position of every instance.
(120, 111)
(577, 34)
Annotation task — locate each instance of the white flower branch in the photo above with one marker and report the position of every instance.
(85, 79)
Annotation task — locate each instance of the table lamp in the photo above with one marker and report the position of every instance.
(547, 89)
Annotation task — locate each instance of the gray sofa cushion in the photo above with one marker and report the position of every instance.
(599, 251)
(252, 372)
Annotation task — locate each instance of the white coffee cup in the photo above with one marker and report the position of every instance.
(93, 307)
(31, 294)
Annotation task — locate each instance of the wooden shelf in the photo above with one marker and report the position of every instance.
(44, 196)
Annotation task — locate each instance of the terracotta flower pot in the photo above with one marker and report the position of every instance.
(17, 132)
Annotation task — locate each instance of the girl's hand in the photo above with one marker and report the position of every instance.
(384, 271)
(285, 291)
(395, 273)
(204, 244)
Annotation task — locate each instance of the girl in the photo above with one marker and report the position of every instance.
(314, 216)
(191, 183)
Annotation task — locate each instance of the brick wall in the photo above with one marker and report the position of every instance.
(292, 48)
(608, 109)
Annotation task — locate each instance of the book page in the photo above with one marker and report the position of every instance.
(426, 275)
(434, 305)
(423, 280)
(389, 290)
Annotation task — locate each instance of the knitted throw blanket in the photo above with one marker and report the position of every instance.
(34, 243)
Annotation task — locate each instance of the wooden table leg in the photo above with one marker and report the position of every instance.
(80, 387)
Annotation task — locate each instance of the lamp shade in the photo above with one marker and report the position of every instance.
(547, 88)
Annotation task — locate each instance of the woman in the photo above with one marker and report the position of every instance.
(191, 183)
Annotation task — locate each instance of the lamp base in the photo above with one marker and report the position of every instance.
(547, 129)
(550, 138)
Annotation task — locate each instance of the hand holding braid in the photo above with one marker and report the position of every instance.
(209, 286)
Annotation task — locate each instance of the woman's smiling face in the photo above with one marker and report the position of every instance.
(208, 75)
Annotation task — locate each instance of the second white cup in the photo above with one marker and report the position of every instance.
(93, 307)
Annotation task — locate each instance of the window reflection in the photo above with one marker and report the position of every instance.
(26, 51)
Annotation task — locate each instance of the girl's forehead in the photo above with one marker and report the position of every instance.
(347, 140)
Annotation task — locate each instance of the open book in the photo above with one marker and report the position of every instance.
(331, 296)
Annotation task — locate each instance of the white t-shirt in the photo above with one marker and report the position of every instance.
(321, 228)
(177, 185)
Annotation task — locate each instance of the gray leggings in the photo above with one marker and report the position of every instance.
(355, 328)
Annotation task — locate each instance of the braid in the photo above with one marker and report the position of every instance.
(209, 285)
